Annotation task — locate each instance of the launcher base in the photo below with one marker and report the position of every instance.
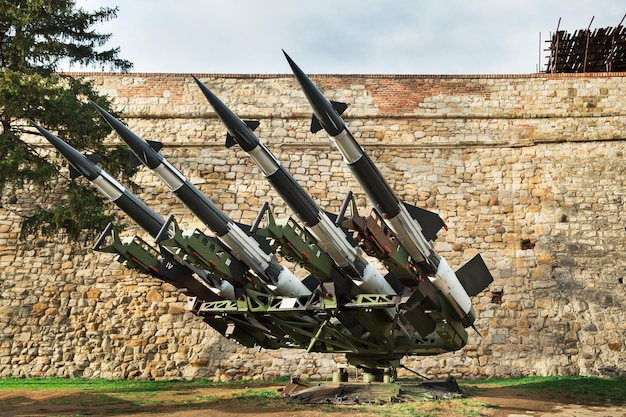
(359, 392)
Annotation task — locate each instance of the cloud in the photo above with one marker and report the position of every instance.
(344, 36)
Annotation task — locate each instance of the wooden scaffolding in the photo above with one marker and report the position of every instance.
(600, 50)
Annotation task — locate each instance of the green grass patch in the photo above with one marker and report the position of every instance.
(118, 385)
(575, 387)
(87, 396)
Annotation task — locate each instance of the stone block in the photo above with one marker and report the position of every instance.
(154, 296)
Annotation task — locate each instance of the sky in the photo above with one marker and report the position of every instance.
(344, 36)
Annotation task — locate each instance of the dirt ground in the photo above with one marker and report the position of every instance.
(511, 404)
(504, 402)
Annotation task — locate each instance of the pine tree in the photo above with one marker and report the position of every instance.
(37, 37)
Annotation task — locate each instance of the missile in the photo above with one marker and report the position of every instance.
(329, 236)
(243, 246)
(413, 227)
(136, 210)
(247, 331)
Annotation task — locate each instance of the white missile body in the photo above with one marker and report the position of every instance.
(328, 235)
(243, 246)
(395, 213)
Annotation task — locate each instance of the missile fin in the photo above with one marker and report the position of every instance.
(430, 222)
(344, 287)
(316, 126)
(94, 157)
(339, 106)
(74, 173)
(157, 146)
(474, 276)
(230, 140)
(135, 162)
(394, 281)
(423, 323)
(252, 124)
(311, 282)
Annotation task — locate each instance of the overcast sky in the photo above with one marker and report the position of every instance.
(344, 36)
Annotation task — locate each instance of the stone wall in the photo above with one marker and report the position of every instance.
(527, 170)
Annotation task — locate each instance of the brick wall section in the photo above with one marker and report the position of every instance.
(526, 169)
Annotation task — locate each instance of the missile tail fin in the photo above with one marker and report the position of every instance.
(430, 222)
(474, 276)
(311, 282)
(423, 323)
(395, 282)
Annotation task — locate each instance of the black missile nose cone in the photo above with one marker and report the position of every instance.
(208, 94)
(108, 117)
(324, 111)
(300, 75)
(297, 71)
(238, 130)
(290, 61)
(79, 163)
(142, 150)
(112, 121)
(39, 128)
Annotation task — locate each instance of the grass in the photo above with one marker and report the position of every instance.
(111, 384)
(576, 388)
(76, 397)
